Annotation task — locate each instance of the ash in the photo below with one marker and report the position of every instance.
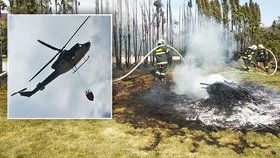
(229, 105)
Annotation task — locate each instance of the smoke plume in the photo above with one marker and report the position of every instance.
(210, 45)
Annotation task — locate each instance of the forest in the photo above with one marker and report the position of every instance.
(239, 117)
(137, 25)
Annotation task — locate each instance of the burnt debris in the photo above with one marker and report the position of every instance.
(229, 106)
(227, 94)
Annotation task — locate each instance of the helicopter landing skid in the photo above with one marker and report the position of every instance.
(77, 68)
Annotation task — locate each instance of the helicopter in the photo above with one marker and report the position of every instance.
(66, 60)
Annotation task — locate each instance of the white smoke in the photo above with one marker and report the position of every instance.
(208, 49)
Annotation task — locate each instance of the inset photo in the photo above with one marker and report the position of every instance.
(60, 67)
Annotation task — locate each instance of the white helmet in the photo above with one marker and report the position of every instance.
(161, 42)
(253, 47)
(261, 46)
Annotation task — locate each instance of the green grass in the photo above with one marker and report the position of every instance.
(269, 81)
(110, 138)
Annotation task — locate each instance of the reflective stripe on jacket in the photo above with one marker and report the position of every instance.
(247, 54)
(161, 55)
(262, 53)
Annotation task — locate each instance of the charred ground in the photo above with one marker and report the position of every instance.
(146, 103)
(140, 130)
(143, 103)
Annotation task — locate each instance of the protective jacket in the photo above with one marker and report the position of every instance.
(162, 55)
(247, 57)
(262, 55)
(247, 54)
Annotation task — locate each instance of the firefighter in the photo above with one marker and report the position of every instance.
(247, 57)
(262, 56)
(163, 59)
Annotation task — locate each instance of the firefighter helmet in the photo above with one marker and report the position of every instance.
(161, 42)
(261, 46)
(253, 47)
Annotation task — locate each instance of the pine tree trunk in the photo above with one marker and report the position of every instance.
(115, 38)
(120, 29)
(170, 24)
(128, 35)
(135, 35)
(96, 6)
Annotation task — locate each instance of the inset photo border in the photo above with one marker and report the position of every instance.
(60, 66)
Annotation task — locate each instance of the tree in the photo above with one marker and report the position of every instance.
(3, 31)
(271, 39)
(135, 33)
(3, 6)
(45, 7)
(24, 7)
(96, 6)
(199, 6)
(225, 6)
(128, 47)
(206, 8)
(3, 36)
(276, 24)
(216, 10)
(233, 13)
(120, 32)
(66, 7)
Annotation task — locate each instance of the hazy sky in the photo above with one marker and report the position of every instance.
(64, 97)
(269, 8)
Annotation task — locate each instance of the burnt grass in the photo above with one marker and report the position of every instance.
(150, 104)
(145, 108)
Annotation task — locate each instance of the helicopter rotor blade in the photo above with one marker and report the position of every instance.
(47, 45)
(60, 50)
(75, 33)
(44, 66)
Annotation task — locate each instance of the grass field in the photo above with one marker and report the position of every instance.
(121, 137)
(268, 81)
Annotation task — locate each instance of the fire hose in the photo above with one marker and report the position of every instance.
(4, 74)
(275, 70)
(143, 59)
(276, 64)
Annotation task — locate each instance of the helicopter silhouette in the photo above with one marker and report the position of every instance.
(66, 60)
